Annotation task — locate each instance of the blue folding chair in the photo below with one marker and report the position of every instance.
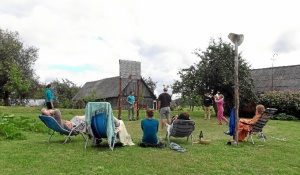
(51, 123)
(100, 123)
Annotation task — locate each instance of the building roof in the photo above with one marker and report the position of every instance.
(277, 78)
(105, 88)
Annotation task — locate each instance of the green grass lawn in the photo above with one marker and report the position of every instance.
(280, 155)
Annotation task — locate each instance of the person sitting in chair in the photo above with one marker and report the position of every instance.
(182, 116)
(68, 125)
(243, 128)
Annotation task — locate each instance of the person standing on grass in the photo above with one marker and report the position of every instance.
(164, 104)
(207, 102)
(130, 101)
(49, 97)
(219, 100)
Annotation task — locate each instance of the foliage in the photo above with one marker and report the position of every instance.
(150, 83)
(64, 92)
(285, 101)
(214, 72)
(284, 116)
(11, 126)
(15, 59)
(17, 84)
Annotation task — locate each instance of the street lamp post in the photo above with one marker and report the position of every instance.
(237, 39)
(273, 59)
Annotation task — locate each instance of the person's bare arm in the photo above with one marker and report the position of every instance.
(158, 105)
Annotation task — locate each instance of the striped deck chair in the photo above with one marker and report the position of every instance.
(257, 128)
(100, 123)
(51, 123)
(181, 128)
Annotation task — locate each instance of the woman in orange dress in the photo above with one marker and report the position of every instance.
(243, 128)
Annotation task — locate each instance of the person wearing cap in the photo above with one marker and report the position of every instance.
(164, 104)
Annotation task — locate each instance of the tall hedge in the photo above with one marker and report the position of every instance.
(285, 101)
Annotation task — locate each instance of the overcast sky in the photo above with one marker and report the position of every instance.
(83, 40)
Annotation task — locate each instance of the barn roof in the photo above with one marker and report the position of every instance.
(277, 78)
(105, 88)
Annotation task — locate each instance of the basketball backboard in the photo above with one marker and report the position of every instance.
(130, 69)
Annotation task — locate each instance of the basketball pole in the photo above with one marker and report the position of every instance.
(120, 99)
(138, 101)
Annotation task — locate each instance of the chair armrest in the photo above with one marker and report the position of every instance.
(246, 123)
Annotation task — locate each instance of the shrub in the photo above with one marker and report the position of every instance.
(11, 126)
(284, 116)
(286, 102)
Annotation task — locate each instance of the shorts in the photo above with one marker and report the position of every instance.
(165, 113)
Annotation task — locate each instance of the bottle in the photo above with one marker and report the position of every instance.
(200, 136)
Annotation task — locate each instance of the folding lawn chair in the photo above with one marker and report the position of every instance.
(181, 128)
(51, 123)
(260, 124)
(100, 123)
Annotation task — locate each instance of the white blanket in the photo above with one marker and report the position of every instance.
(124, 137)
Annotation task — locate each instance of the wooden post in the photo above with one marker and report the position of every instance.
(120, 99)
(236, 94)
(138, 100)
(237, 40)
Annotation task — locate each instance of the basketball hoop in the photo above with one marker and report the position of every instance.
(133, 77)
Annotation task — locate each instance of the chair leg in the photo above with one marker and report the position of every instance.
(68, 137)
(168, 137)
(113, 142)
(86, 142)
(252, 139)
(82, 136)
(50, 136)
(263, 137)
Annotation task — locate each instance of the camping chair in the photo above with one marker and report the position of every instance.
(100, 123)
(51, 123)
(260, 124)
(181, 128)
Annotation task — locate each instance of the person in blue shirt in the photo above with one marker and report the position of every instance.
(49, 97)
(150, 127)
(130, 100)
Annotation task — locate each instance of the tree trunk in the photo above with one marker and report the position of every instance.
(6, 99)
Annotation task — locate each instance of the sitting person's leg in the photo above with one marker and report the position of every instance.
(77, 120)
(57, 116)
(169, 127)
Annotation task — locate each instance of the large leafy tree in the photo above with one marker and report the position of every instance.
(64, 92)
(215, 71)
(187, 86)
(16, 64)
(17, 83)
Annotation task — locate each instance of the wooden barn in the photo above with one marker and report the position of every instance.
(108, 90)
(276, 78)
